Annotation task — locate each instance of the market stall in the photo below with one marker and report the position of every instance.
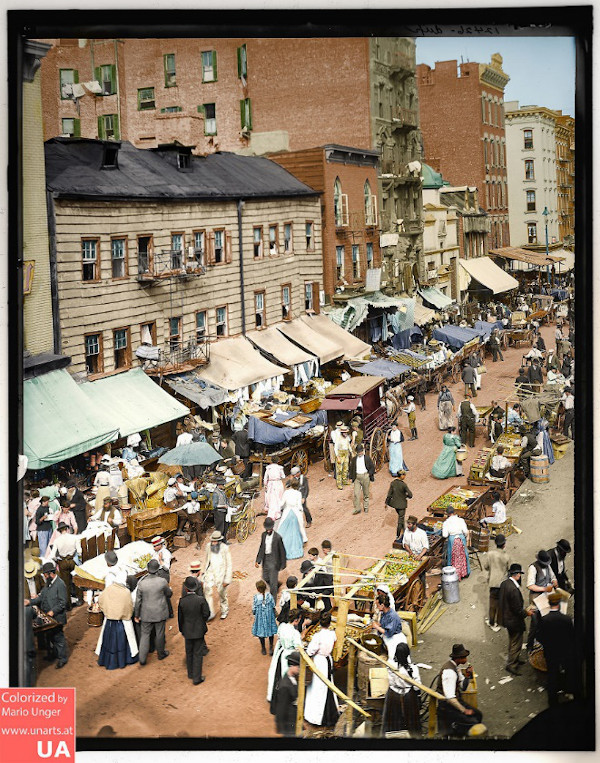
(468, 503)
(133, 558)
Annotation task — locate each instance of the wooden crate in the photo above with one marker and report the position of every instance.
(147, 524)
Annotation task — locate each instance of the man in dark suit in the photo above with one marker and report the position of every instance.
(52, 600)
(242, 449)
(397, 496)
(536, 377)
(557, 563)
(152, 610)
(556, 634)
(361, 472)
(78, 505)
(271, 554)
(192, 614)
(303, 488)
(512, 616)
(470, 379)
(287, 698)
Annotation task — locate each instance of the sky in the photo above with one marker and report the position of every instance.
(541, 69)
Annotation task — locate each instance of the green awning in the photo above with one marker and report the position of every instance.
(133, 401)
(435, 297)
(60, 421)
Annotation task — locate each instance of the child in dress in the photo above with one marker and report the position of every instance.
(263, 609)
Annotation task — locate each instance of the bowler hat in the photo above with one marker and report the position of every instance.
(110, 558)
(268, 523)
(514, 569)
(564, 545)
(49, 567)
(500, 539)
(191, 583)
(458, 650)
(153, 566)
(306, 566)
(543, 558)
(62, 526)
(293, 658)
(216, 536)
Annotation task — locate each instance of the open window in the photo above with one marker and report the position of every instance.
(94, 361)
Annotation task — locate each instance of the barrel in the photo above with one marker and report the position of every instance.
(539, 469)
(94, 619)
(450, 592)
(480, 539)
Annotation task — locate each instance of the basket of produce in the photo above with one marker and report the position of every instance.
(311, 405)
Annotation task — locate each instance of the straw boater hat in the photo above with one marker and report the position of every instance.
(344, 428)
(216, 536)
(195, 565)
(157, 540)
(31, 568)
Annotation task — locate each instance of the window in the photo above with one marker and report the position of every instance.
(219, 247)
(246, 114)
(148, 333)
(201, 326)
(110, 158)
(210, 118)
(171, 110)
(117, 251)
(485, 151)
(71, 127)
(199, 247)
(209, 66)
(68, 78)
(108, 127)
(107, 77)
(370, 205)
(176, 251)
(121, 348)
(530, 201)
(144, 253)
(221, 316)
(532, 233)
(369, 255)
(260, 310)
(174, 333)
(483, 108)
(273, 239)
(89, 255)
(286, 302)
(310, 233)
(94, 361)
(257, 236)
(242, 61)
(170, 75)
(529, 169)
(308, 296)
(339, 263)
(146, 99)
(287, 238)
(527, 138)
(184, 160)
(355, 261)
(340, 204)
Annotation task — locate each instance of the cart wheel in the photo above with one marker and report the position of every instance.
(242, 530)
(251, 520)
(327, 465)
(300, 459)
(377, 448)
(415, 597)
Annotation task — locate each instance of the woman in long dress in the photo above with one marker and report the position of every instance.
(401, 709)
(543, 439)
(66, 516)
(291, 523)
(321, 706)
(273, 481)
(445, 465)
(396, 439)
(456, 533)
(445, 408)
(288, 639)
(117, 645)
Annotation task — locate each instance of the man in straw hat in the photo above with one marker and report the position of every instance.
(34, 580)
(512, 617)
(455, 715)
(63, 552)
(152, 610)
(192, 614)
(540, 579)
(341, 448)
(217, 573)
(411, 412)
(52, 600)
(556, 634)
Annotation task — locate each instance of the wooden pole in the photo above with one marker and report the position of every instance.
(329, 684)
(350, 687)
(340, 627)
(301, 696)
(336, 578)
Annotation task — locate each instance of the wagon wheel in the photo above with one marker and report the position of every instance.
(415, 596)
(241, 532)
(327, 465)
(251, 520)
(377, 448)
(300, 459)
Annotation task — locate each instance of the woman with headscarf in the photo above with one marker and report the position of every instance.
(273, 482)
(543, 438)
(401, 709)
(321, 706)
(445, 408)
(446, 464)
(288, 639)
(66, 516)
(395, 440)
(117, 645)
(291, 522)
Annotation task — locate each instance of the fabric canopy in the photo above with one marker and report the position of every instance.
(567, 261)
(525, 255)
(191, 386)
(455, 336)
(356, 310)
(380, 367)
(487, 327)
(60, 421)
(485, 271)
(423, 314)
(304, 335)
(353, 347)
(276, 344)
(234, 363)
(435, 297)
(355, 386)
(268, 434)
(133, 401)
(192, 454)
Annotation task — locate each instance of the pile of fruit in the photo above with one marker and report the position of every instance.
(142, 561)
(449, 499)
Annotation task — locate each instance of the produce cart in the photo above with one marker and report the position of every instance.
(151, 522)
(243, 519)
(468, 502)
(519, 337)
(133, 558)
(298, 452)
(481, 466)
(366, 394)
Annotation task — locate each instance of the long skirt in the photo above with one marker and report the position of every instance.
(277, 670)
(290, 532)
(445, 465)
(321, 707)
(396, 458)
(457, 555)
(547, 446)
(401, 711)
(116, 646)
(445, 415)
(273, 496)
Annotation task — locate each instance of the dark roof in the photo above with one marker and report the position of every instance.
(73, 170)
(37, 365)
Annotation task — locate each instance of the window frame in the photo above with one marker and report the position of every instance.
(179, 333)
(532, 226)
(213, 65)
(127, 348)
(125, 258)
(76, 127)
(528, 202)
(98, 76)
(167, 72)
(529, 168)
(202, 108)
(172, 249)
(338, 264)
(246, 114)
(61, 84)
(242, 62)
(310, 245)
(308, 303)
(527, 139)
(116, 129)
(370, 260)
(204, 337)
(100, 354)
(150, 252)
(140, 107)
(225, 323)
(96, 261)
(260, 243)
(263, 312)
(223, 259)
(288, 249)
(152, 329)
(275, 227)
(356, 262)
(287, 317)
(200, 231)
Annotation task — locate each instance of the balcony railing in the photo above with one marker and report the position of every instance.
(170, 263)
(404, 117)
(175, 355)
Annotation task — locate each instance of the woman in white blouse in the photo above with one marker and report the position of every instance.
(401, 709)
(321, 707)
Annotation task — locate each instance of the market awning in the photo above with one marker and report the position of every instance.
(423, 314)
(390, 369)
(133, 401)
(276, 344)
(353, 347)
(199, 391)
(357, 385)
(333, 404)
(310, 339)
(435, 297)
(60, 421)
(456, 336)
(235, 363)
(488, 274)
(538, 259)
(488, 327)
(567, 261)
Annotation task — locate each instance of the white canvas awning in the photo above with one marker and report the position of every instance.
(235, 363)
(278, 346)
(353, 347)
(423, 314)
(485, 271)
(311, 339)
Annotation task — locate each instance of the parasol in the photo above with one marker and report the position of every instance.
(193, 454)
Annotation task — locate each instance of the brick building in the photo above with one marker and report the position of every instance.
(462, 122)
(565, 177)
(347, 179)
(254, 96)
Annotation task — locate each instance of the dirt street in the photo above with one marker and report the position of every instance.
(156, 700)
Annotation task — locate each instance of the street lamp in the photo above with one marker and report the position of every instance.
(546, 213)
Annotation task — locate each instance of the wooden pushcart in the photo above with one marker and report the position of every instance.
(468, 503)
(146, 524)
(298, 452)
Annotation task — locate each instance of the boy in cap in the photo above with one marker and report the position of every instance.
(455, 715)
(496, 564)
(411, 412)
(192, 615)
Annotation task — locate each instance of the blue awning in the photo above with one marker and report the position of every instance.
(456, 336)
(435, 297)
(386, 368)
(487, 327)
